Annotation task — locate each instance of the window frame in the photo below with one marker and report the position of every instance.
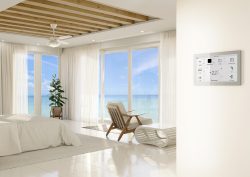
(129, 49)
(38, 96)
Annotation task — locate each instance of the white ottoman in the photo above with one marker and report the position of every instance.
(156, 135)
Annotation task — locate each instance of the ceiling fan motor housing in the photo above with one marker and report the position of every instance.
(53, 25)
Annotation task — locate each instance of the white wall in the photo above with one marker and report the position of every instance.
(5, 4)
(126, 42)
(213, 121)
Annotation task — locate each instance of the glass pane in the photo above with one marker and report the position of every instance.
(145, 82)
(30, 63)
(49, 68)
(116, 79)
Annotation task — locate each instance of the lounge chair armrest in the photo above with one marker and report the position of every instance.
(133, 115)
(126, 115)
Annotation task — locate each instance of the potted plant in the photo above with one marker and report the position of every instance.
(56, 98)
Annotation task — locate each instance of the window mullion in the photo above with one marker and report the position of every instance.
(130, 79)
(102, 74)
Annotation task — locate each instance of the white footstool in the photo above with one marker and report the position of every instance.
(156, 135)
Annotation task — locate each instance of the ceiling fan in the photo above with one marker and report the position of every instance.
(57, 41)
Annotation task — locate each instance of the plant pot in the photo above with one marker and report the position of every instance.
(56, 112)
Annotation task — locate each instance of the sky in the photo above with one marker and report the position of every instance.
(144, 72)
(49, 67)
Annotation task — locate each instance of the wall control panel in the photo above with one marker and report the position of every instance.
(221, 68)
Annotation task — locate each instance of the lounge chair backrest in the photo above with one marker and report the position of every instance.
(116, 115)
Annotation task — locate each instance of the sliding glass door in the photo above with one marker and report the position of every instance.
(131, 77)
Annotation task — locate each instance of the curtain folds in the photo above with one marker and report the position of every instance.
(7, 77)
(13, 81)
(20, 79)
(79, 77)
(167, 69)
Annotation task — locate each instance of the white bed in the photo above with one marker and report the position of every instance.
(21, 133)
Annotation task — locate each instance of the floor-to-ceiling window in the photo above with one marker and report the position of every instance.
(116, 78)
(145, 82)
(49, 68)
(131, 77)
(44, 67)
(30, 67)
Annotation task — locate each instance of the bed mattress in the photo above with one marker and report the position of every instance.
(21, 133)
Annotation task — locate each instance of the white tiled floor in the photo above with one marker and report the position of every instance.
(134, 160)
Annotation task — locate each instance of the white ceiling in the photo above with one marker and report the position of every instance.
(163, 9)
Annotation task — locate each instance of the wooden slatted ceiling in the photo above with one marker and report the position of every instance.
(73, 17)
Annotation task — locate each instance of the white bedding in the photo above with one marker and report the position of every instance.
(21, 133)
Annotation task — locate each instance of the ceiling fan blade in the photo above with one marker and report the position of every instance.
(63, 42)
(64, 37)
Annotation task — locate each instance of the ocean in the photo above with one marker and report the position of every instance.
(45, 105)
(142, 104)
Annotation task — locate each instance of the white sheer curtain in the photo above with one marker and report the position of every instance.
(79, 76)
(168, 78)
(1, 96)
(20, 79)
(14, 86)
(7, 77)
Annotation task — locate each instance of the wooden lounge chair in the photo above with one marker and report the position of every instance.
(124, 121)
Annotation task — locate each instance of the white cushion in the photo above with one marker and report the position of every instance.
(121, 107)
